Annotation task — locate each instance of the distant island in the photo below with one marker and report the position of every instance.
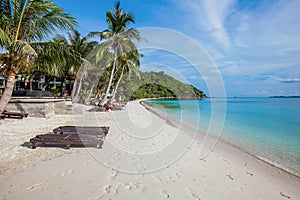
(284, 97)
(157, 85)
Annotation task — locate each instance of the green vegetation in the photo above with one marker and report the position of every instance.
(155, 85)
(76, 60)
(119, 41)
(24, 27)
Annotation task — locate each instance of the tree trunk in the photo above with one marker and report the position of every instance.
(30, 83)
(97, 95)
(90, 94)
(8, 90)
(104, 100)
(74, 88)
(62, 86)
(117, 85)
(78, 90)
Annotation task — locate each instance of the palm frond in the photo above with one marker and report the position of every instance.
(5, 40)
(42, 19)
(55, 57)
(24, 50)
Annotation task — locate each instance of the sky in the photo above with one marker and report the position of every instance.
(249, 48)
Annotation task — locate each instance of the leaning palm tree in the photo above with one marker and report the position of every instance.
(117, 36)
(24, 25)
(128, 63)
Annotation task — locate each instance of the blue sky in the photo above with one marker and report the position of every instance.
(255, 44)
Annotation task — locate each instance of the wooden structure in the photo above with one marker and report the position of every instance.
(68, 140)
(18, 115)
(91, 130)
(73, 136)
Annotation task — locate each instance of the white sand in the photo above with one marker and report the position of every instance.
(143, 157)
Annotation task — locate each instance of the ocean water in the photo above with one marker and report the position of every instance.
(268, 128)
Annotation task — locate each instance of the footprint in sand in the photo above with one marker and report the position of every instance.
(106, 189)
(117, 187)
(127, 187)
(135, 185)
(157, 178)
(34, 186)
(170, 179)
(164, 194)
(283, 195)
(89, 161)
(176, 174)
(67, 173)
(229, 176)
(250, 174)
(112, 174)
(192, 193)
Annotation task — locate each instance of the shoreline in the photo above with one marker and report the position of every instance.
(220, 140)
(90, 173)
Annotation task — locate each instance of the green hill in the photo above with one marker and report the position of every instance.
(155, 85)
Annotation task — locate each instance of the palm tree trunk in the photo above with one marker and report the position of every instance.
(90, 94)
(97, 94)
(117, 86)
(62, 85)
(104, 100)
(30, 83)
(78, 90)
(74, 88)
(8, 90)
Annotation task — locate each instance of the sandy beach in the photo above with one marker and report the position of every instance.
(143, 157)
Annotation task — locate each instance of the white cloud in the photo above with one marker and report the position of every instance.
(290, 80)
(273, 24)
(209, 17)
(216, 12)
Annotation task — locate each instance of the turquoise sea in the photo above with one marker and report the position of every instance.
(268, 128)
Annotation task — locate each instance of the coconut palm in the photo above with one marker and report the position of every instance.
(77, 68)
(128, 63)
(117, 37)
(24, 24)
(53, 60)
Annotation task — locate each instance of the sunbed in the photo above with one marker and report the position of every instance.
(68, 140)
(92, 130)
(18, 115)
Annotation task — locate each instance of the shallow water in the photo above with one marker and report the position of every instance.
(268, 128)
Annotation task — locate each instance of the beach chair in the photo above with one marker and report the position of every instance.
(91, 130)
(68, 140)
(14, 114)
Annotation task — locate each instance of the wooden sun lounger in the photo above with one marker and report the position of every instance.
(68, 140)
(14, 114)
(91, 130)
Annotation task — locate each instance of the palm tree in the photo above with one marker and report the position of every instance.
(54, 60)
(82, 46)
(117, 37)
(128, 63)
(24, 24)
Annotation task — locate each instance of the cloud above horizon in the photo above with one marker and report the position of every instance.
(210, 15)
(254, 44)
(250, 39)
(293, 80)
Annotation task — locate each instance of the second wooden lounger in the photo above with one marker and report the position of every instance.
(92, 130)
(68, 140)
